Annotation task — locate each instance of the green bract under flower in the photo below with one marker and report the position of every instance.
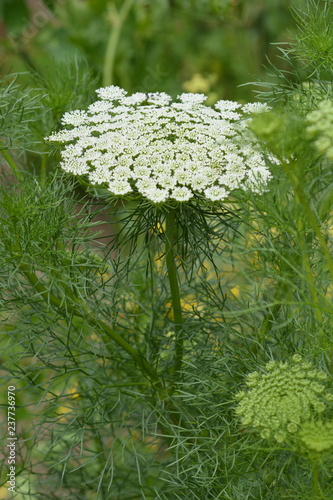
(147, 144)
(282, 398)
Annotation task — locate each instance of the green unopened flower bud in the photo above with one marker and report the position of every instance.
(282, 397)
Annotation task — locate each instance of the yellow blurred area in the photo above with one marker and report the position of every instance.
(153, 444)
(3, 492)
(94, 337)
(187, 304)
(202, 84)
(64, 410)
(235, 291)
(74, 391)
(160, 228)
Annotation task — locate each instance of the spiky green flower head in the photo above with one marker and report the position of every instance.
(321, 127)
(317, 435)
(164, 150)
(282, 397)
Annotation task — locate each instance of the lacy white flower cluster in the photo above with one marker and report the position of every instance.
(148, 144)
(321, 127)
(282, 398)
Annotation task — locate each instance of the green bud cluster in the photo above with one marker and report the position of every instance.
(321, 127)
(282, 397)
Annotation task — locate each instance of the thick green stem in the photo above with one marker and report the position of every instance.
(83, 312)
(174, 288)
(118, 20)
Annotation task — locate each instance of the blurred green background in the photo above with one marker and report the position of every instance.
(209, 46)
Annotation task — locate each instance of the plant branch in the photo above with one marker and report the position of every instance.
(87, 315)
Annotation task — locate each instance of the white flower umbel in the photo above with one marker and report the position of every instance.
(147, 144)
